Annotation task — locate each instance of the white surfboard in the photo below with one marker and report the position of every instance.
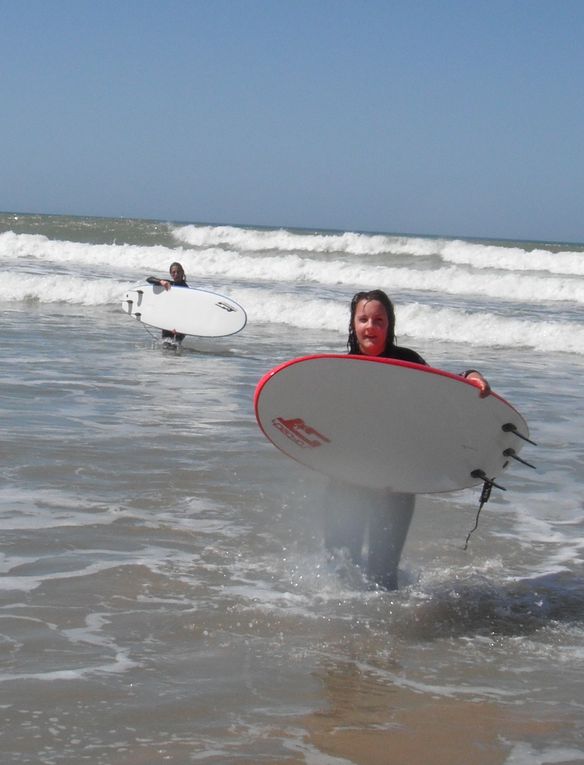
(185, 310)
(387, 424)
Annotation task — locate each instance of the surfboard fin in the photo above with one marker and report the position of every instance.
(511, 453)
(509, 427)
(486, 480)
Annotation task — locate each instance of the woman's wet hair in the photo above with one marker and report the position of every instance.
(379, 295)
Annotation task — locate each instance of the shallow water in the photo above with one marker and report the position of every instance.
(164, 591)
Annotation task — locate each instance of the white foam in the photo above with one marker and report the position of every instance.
(23, 509)
(451, 280)
(422, 323)
(257, 240)
(416, 320)
(513, 258)
(488, 329)
(61, 289)
(29, 257)
(120, 664)
(30, 249)
(501, 256)
(524, 754)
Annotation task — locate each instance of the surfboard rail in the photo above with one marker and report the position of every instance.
(421, 429)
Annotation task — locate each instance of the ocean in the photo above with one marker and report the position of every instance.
(165, 595)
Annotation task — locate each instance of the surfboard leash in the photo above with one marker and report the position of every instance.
(488, 483)
(148, 332)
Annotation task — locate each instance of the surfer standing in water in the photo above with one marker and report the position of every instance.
(177, 273)
(350, 510)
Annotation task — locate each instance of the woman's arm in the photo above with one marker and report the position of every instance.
(162, 282)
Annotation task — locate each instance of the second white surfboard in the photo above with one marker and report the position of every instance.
(185, 310)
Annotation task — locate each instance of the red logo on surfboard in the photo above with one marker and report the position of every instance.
(299, 432)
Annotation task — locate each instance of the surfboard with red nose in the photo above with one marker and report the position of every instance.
(388, 424)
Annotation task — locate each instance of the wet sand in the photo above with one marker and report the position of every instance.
(372, 724)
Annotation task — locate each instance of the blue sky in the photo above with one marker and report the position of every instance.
(452, 117)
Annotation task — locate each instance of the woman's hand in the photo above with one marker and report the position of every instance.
(481, 383)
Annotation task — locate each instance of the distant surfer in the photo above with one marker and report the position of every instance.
(177, 272)
(350, 510)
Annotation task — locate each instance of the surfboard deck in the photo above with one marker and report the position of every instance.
(386, 424)
(185, 310)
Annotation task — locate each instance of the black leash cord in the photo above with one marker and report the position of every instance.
(485, 494)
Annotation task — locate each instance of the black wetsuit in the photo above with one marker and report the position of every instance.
(400, 353)
(167, 333)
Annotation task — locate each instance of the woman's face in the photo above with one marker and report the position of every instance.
(177, 273)
(371, 326)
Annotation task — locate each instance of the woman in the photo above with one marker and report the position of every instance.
(177, 273)
(351, 510)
